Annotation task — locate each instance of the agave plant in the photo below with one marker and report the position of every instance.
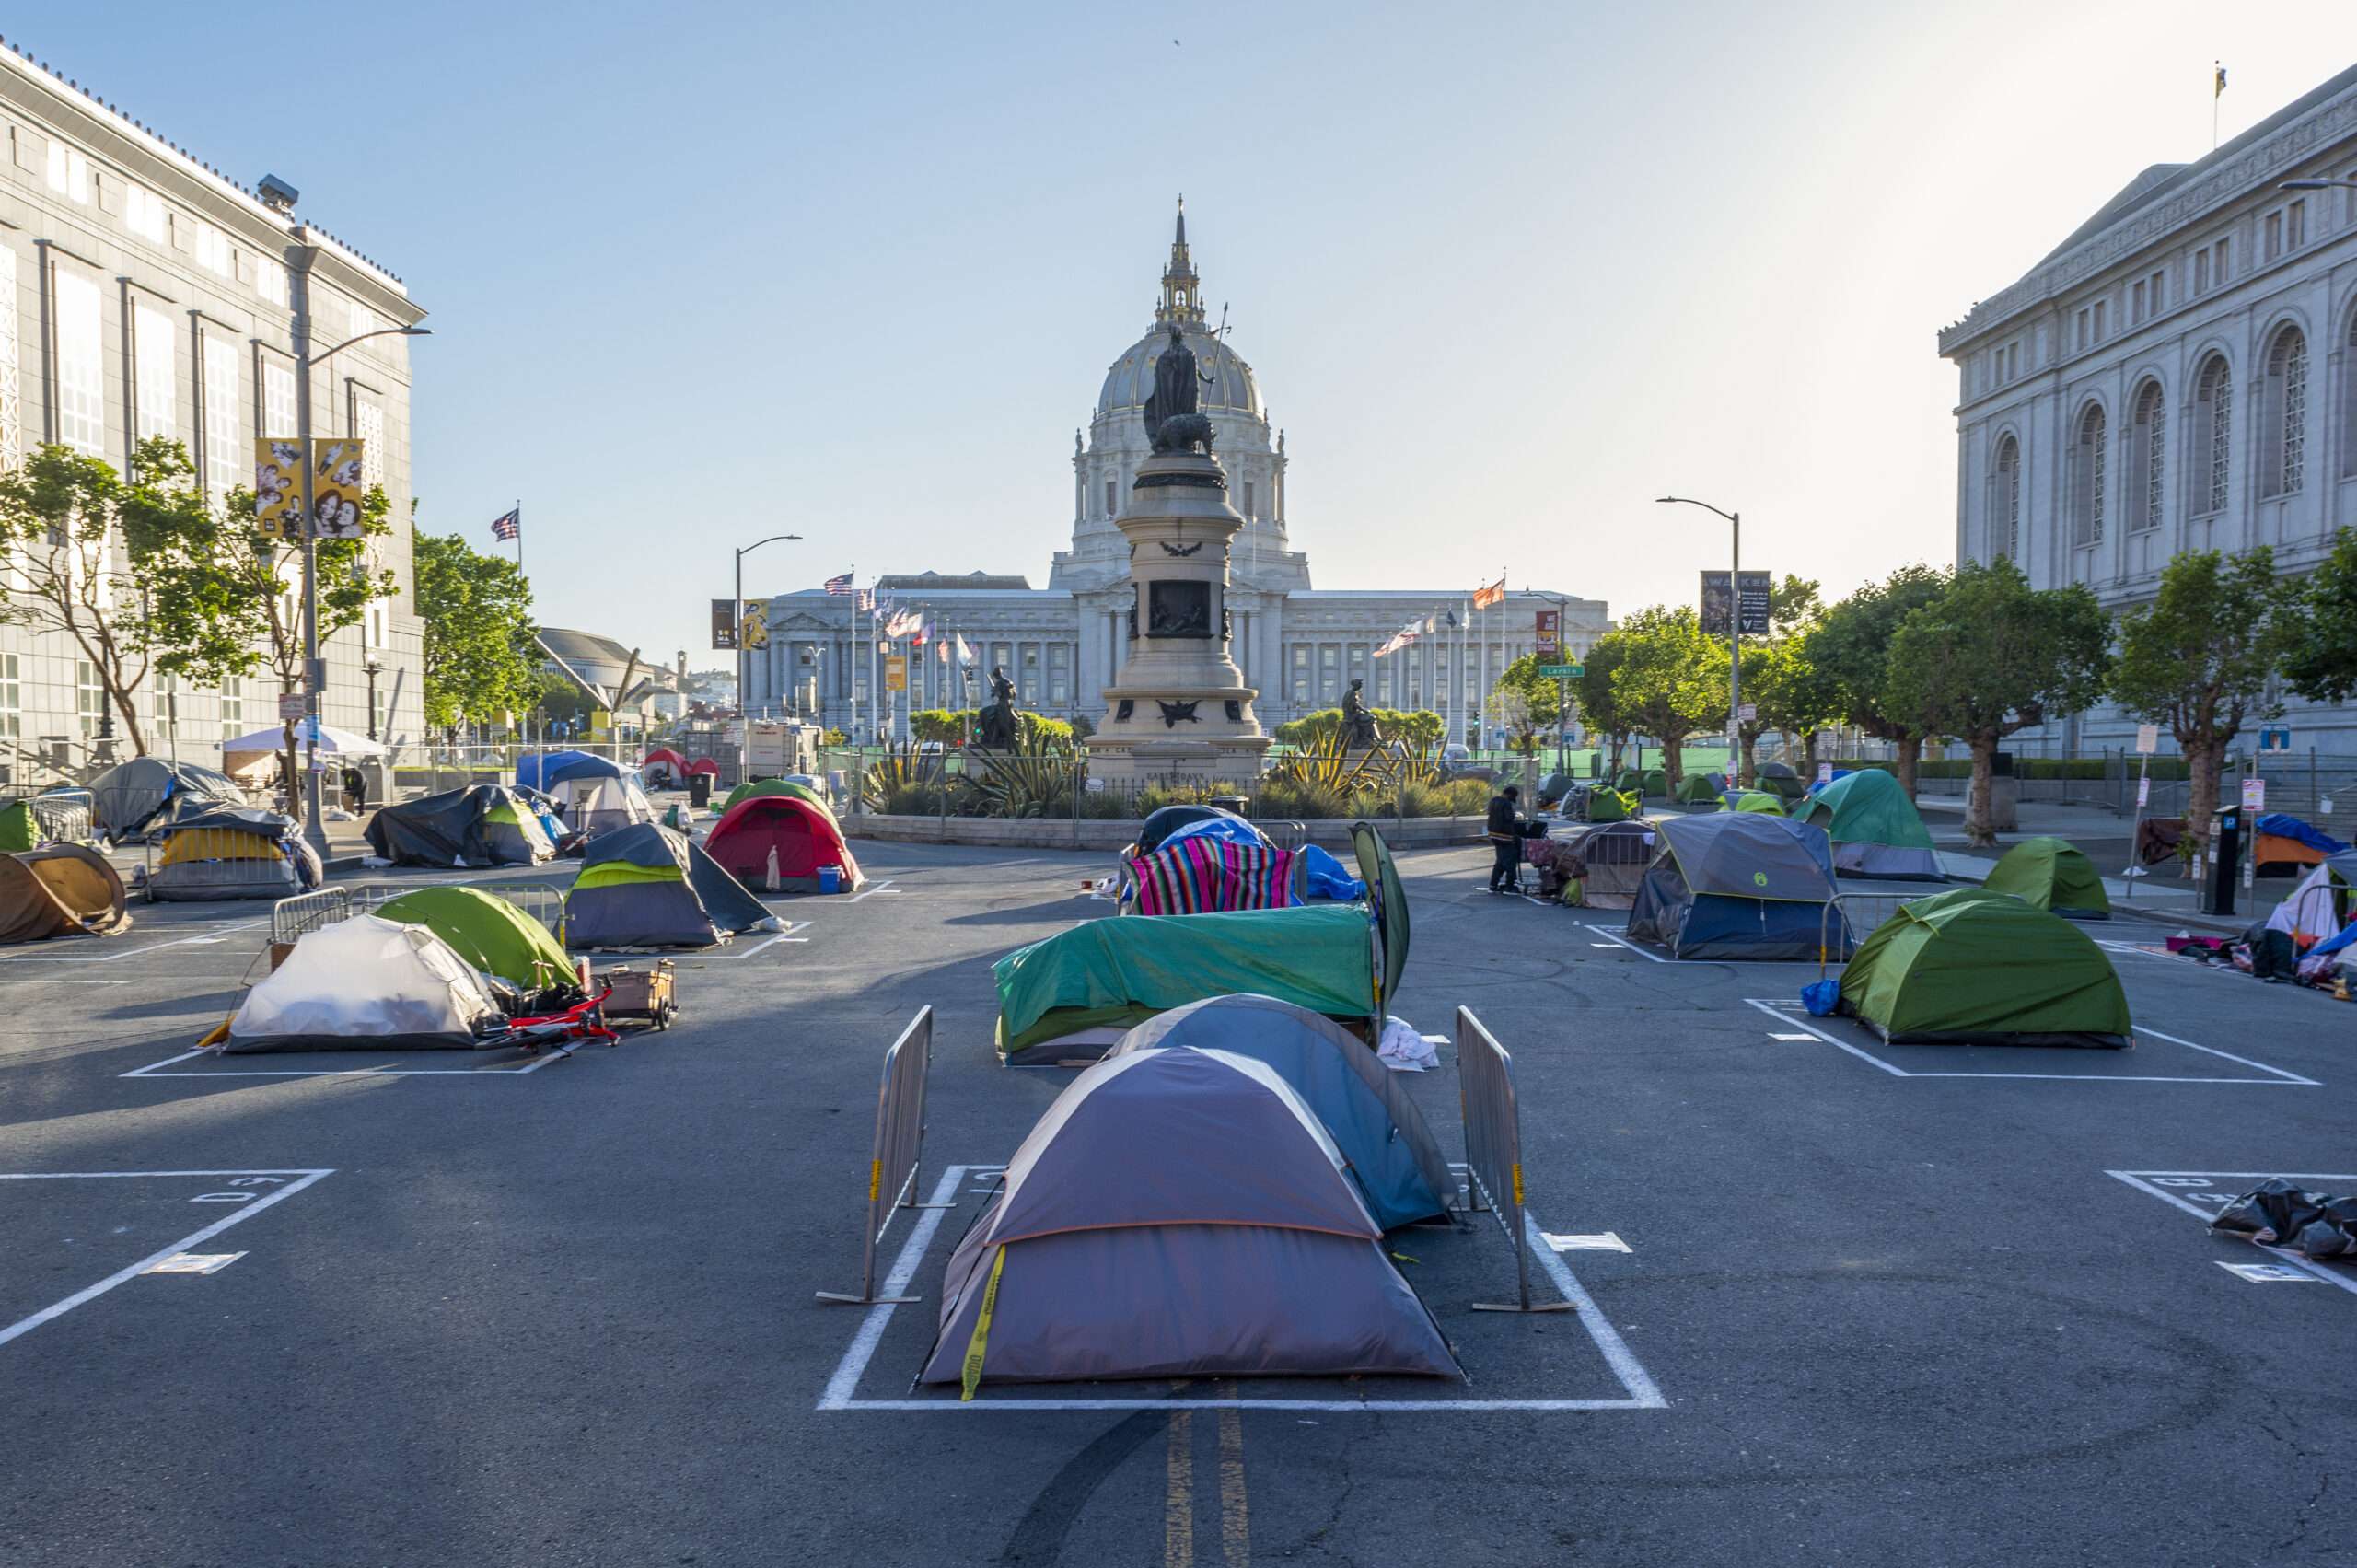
(1033, 780)
(1323, 763)
(903, 767)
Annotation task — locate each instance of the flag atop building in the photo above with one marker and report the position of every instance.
(839, 586)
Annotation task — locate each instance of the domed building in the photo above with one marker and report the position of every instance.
(1300, 646)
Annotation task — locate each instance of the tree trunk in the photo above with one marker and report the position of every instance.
(1808, 755)
(2201, 799)
(1743, 760)
(1910, 758)
(128, 714)
(1976, 813)
(1673, 764)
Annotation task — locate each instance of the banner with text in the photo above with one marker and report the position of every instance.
(723, 623)
(1549, 633)
(1724, 593)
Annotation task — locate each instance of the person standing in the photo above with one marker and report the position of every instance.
(356, 789)
(1506, 840)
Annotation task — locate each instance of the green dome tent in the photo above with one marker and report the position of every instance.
(1610, 805)
(1875, 829)
(1701, 789)
(1973, 967)
(2051, 874)
(491, 934)
(1779, 780)
(1758, 800)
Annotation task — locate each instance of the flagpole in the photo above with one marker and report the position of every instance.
(519, 536)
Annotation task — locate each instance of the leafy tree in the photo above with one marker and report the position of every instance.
(1851, 648)
(1525, 702)
(1990, 656)
(1668, 683)
(562, 701)
(480, 655)
(1793, 606)
(2198, 658)
(2320, 653)
(1592, 695)
(1797, 696)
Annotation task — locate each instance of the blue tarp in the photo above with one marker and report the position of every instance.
(2287, 827)
(546, 770)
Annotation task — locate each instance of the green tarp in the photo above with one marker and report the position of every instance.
(18, 831)
(1973, 966)
(2050, 874)
(1121, 972)
(490, 933)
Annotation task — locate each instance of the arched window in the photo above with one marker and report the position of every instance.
(2283, 415)
(2086, 477)
(2005, 502)
(2148, 455)
(2214, 438)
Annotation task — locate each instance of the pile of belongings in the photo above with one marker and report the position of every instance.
(232, 852)
(2309, 936)
(1182, 1212)
(480, 825)
(2277, 1214)
(1199, 873)
(368, 983)
(526, 964)
(63, 890)
(1561, 868)
(1739, 885)
(1969, 967)
(783, 843)
(1315, 874)
(130, 797)
(2285, 840)
(54, 817)
(1875, 827)
(649, 887)
(2052, 875)
(1611, 859)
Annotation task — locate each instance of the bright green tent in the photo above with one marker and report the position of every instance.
(1610, 805)
(18, 829)
(491, 933)
(1653, 781)
(1875, 827)
(2050, 874)
(1973, 967)
(1697, 789)
(1758, 800)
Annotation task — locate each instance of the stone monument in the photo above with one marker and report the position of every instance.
(1178, 708)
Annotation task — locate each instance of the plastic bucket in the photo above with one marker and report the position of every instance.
(830, 880)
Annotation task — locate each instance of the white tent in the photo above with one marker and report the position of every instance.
(254, 753)
(364, 985)
(594, 805)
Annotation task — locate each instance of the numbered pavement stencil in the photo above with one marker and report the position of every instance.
(2202, 1194)
(71, 1236)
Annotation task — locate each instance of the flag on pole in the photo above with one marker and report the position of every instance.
(508, 525)
(2218, 87)
(839, 586)
(965, 650)
(1494, 593)
(864, 601)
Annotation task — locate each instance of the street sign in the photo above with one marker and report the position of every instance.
(2254, 795)
(290, 706)
(1825, 773)
(1749, 712)
(2148, 739)
(1562, 671)
(2143, 793)
(2275, 738)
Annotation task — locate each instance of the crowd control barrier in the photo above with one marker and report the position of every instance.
(899, 1143)
(306, 913)
(1493, 1150)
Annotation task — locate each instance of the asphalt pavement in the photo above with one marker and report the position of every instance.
(1880, 1305)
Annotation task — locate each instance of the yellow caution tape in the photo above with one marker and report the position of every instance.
(1405, 1258)
(875, 1178)
(973, 1376)
(1518, 1184)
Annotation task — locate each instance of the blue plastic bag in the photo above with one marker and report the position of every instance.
(1823, 998)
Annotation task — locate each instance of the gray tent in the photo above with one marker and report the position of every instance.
(127, 797)
(1740, 885)
(1178, 1213)
(1392, 1153)
(227, 851)
(645, 885)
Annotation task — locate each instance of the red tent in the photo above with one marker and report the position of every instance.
(777, 843)
(704, 766)
(664, 765)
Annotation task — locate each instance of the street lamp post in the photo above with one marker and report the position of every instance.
(744, 707)
(373, 668)
(1735, 623)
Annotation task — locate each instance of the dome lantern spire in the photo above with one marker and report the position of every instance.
(1182, 297)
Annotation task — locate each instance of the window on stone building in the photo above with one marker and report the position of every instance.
(2224, 266)
(2296, 225)
(1248, 498)
(2214, 436)
(2272, 245)
(2284, 414)
(1059, 673)
(156, 371)
(2136, 301)
(1028, 680)
(2160, 300)
(270, 282)
(213, 252)
(2083, 329)
(277, 403)
(2013, 361)
(2005, 500)
(1330, 673)
(81, 365)
(2201, 271)
(142, 214)
(2086, 477)
(2148, 434)
(89, 697)
(12, 698)
(1109, 498)
(2101, 306)
(223, 459)
(233, 707)
(1382, 684)
(1300, 674)
(69, 172)
(2349, 394)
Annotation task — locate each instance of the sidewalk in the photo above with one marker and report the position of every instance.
(2161, 895)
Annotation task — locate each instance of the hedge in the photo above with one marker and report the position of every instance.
(2090, 769)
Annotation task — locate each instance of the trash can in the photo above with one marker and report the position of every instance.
(699, 789)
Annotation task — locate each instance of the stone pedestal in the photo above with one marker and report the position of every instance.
(1179, 707)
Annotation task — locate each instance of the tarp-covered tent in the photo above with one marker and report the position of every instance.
(254, 757)
(597, 805)
(1875, 827)
(63, 890)
(648, 887)
(2050, 874)
(2319, 905)
(1758, 800)
(1739, 885)
(1339, 959)
(1391, 1151)
(1178, 1213)
(1616, 856)
(366, 984)
(1323, 875)
(493, 934)
(127, 797)
(1970, 965)
(229, 852)
(779, 843)
(1612, 805)
(1198, 872)
(1162, 822)
(546, 770)
(61, 818)
(1701, 789)
(480, 825)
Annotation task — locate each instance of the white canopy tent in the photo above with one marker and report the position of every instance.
(251, 755)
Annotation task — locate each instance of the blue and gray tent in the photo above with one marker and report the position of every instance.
(544, 771)
(1739, 885)
(646, 886)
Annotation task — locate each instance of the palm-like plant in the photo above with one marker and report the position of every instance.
(1033, 780)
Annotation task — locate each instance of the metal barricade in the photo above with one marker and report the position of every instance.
(892, 1162)
(1493, 1150)
(306, 913)
(291, 918)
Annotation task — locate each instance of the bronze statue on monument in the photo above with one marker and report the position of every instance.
(1001, 731)
(1174, 420)
(1360, 732)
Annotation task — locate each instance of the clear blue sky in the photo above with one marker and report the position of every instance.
(706, 272)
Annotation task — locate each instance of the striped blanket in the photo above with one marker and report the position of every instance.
(1200, 876)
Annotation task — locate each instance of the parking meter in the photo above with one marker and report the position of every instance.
(2225, 854)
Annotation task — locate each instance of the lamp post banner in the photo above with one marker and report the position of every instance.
(723, 623)
(1718, 603)
(1753, 594)
(1549, 629)
(338, 491)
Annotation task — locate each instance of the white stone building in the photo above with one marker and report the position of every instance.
(145, 294)
(1299, 646)
(2178, 373)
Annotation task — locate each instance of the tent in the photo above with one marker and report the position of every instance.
(775, 787)
(60, 817)
(597, 804)
(1758, 800)
(779, 843)
(1163, 822)
(1604, 804)
(229, 852)
(254, 757)
(546, 770)
(664, 769)
(1779, 780)
(1554, 787)
(1875, 829)
(1739, 885)
(1323, 875)
(491, 933)
(1974, 967)
(1198, 872)
(1701, 789)
(480, 825)
(128, 796)
(63, 890)
(1615, 855)
(1178, 1213)
(2050, 874)
(2319, 906)
(1389, 1151)
(366, 984)
(648, 887)
(704, 766)
(1339, 959)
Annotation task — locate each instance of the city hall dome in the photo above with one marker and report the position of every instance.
(1231, 389)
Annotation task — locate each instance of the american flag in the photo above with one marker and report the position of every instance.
(839, 584)
(864, 601)
(509, 525)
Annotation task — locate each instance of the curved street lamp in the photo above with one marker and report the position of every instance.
(1735, 626)
(744, 708)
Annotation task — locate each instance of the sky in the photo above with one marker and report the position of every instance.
(711, 271)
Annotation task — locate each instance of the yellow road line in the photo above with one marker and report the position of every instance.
(1234, 1509)
(1178, 1499)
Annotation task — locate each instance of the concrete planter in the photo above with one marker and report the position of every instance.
(1111, 834)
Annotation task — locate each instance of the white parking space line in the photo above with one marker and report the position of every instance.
(1620, 941)
(156, 1070)
(842, 1386)
(1813, 1031)
(213, 933)
(2278, 1076)
(2138, 1180)
(185, 1244)
(875, 887)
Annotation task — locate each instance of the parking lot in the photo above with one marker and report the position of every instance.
(1841, 1300)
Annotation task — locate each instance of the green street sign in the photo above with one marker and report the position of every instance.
(1563, 671)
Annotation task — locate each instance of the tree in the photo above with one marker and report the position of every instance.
(2320, 652)
(481, 657)
(1851, 647)
(2197, 660)
(1990, 656)
(1670, 681)
(1797, 696)
(1592, 695)
(1524, 701)
(62, 519)
(1793, 606)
